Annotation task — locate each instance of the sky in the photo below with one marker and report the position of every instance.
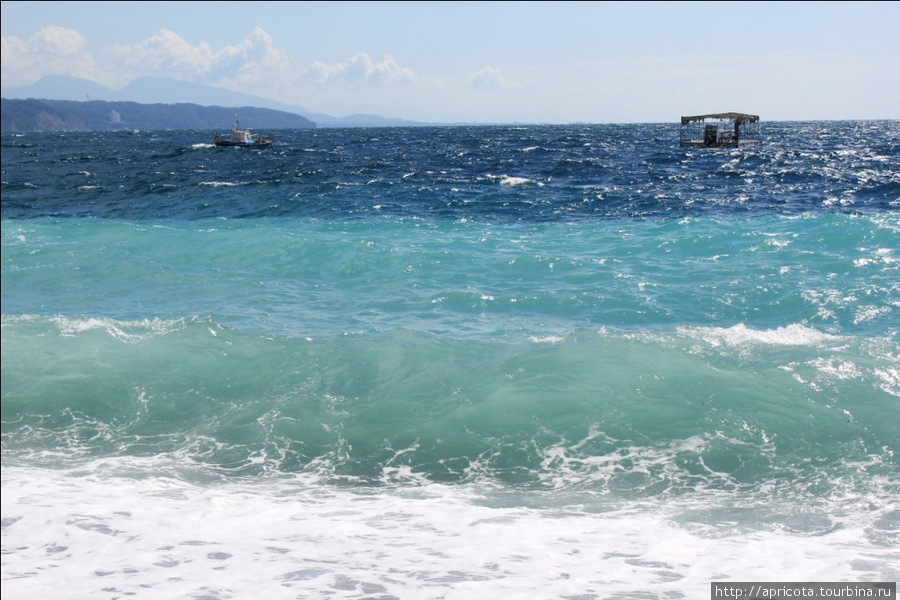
(527, 62)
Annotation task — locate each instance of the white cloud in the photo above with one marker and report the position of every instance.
(164, 55)
(249, 66)
(253, 63)
(487, 78)
(254, 66)
(51, 51)
(359, 69)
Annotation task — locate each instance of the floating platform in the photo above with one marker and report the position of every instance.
(720, 130)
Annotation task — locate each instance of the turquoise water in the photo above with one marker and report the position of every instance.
(438, 363)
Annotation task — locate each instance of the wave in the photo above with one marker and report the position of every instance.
(653, 412)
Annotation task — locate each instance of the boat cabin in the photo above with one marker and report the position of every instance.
(720, 130)
(241, 136)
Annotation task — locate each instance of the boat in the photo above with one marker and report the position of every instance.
(720, 130)
(242, 138)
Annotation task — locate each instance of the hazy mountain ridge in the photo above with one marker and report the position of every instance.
(100, 115)
(150, 90)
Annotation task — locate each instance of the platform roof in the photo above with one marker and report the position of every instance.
(726, 116)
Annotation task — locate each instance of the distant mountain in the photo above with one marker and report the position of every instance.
(152, 90)
(157, 90)
(60, 87)
(99, 115)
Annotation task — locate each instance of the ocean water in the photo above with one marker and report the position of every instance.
(538, 362)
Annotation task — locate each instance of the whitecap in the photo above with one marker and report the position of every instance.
(219, 183)
(738, 335)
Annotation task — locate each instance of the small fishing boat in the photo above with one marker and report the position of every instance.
(242, 138)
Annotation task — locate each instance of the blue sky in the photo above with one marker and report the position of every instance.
(534, 62)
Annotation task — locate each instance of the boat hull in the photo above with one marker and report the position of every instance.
(250, 145)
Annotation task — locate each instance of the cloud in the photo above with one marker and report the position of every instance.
(53, 50)
(359, 69)
(487, 78)
(164, 55)
(253, 63)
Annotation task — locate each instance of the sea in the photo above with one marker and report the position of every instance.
(572, 362)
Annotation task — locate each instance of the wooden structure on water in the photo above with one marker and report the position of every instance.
(720, 130)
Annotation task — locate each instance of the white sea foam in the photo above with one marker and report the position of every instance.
(219, 183)
(510, 181)
(870, 313)
(889, 380)
(547, 339)
(80, 535)
(739, 335)
(128, 331)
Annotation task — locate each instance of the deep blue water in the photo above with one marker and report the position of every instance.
(583, 332)
(535, 174)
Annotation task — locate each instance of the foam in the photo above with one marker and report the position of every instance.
(740, 335)
(77, 535)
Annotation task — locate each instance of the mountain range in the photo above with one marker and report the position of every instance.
(19, 116)
(152, 90)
